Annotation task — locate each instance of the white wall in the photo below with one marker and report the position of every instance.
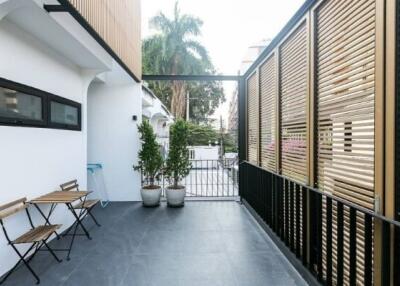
(205, 152)
(34, 161)
(113, 138)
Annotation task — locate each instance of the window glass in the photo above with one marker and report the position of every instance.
(63, 113)
(18, 105)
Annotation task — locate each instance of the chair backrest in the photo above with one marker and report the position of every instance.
(12, 208)
(70, 186)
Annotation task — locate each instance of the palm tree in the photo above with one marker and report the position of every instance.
(175, 51)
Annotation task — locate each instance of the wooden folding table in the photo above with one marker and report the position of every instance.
(67, 198)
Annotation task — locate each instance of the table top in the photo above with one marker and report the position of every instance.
(60, 197)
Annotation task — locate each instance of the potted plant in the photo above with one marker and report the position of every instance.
(150, 164)
(178, 164)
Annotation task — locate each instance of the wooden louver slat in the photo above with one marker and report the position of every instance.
(268, 95)
(345, 66)
(118, 23)
(252, 117)
(293, 103)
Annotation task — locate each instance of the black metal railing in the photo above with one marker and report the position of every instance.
(332, 237)
(208, 178)
(212, 178)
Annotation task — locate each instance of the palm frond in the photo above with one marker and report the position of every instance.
(199, 49)
(161, 23)
(190, 26)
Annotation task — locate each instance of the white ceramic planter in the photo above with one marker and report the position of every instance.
(175, 197)
(151, 197)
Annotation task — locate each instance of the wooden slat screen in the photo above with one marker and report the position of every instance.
(268, 102)
(345, 64)
(118, 23)
(253, 119)
(293, 101)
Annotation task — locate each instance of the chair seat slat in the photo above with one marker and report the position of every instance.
(37, 234)
(87, 204)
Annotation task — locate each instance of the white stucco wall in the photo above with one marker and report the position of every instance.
(205, 152)
(113, 138)
(34, 161)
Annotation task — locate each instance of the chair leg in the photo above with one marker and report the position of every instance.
(93, 218)
(33, 255)
(72, 242)
(51, 251)
(78, 221)
(22, 259)
(68, 230)
(10, 271)
(31, 270)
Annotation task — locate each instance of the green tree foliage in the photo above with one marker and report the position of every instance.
(178, 164)
(201, 135)
(175, 50)
(229, 144)
(150, 159)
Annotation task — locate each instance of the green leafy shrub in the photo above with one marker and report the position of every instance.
(178, 164)
(150, 159)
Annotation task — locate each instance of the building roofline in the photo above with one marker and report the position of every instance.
(155, 97)
(149, 91)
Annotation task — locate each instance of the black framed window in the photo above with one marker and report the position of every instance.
(22, 105)
(64, 113)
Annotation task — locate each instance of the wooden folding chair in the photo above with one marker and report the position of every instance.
(37, 236)
(87, 205)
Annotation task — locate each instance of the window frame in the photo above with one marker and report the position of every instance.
(46, 99)
(68, 102)
(4, 83)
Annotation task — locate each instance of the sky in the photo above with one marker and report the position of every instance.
(230, 27)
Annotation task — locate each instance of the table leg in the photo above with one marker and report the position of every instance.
(47, 218)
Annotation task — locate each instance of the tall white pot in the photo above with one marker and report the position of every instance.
(175, 197)
(151, 196)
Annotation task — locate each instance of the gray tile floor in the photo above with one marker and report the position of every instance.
(204, 243)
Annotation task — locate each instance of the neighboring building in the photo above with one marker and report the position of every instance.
(204, 157)
(233, 113)
(69, 90)
(233, 117)
(252, 54)
(159, 117)
(203, 152)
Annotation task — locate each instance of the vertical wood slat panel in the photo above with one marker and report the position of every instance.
(253, 119)
(346, 105)
(118, 23)
(268, 102)
(293, 103)
(345, 77)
